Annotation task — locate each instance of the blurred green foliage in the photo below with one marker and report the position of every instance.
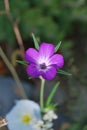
(52, 20)
(78, 127)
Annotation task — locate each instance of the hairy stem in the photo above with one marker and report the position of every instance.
(42, 93)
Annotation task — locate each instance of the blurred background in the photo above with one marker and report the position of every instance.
(51, 21)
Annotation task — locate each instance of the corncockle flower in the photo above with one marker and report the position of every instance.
(24, 116)
(43, 62)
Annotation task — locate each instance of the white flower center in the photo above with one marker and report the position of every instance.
(43, 60)
(26, 119)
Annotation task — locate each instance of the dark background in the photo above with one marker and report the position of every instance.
(51, 21)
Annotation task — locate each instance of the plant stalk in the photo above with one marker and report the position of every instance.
(14, 73)
(42, 93)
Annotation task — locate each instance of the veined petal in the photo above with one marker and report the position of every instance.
(49, 74)
(31, 55)
(57, 60)
(33, 71)
(46, 50)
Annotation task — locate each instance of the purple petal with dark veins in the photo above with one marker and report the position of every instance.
(46, 50)
(49, 74)
(31, 55)
(33, 71)
(57, 60)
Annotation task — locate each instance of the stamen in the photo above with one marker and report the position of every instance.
(26, 119)
(43, 66)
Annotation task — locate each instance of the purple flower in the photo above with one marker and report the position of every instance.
(43, 62)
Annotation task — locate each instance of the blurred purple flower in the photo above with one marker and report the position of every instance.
(43, 62)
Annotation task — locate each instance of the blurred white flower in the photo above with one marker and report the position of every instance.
(39, 125)
(48, 125)
(49, 115)
(25, 115)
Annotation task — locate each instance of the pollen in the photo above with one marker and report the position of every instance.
(26, 119)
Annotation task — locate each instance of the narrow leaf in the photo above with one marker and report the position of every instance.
(64, 72)
(52, 106)
(35, 42)
(52, 94)
(22, 62)
(57, 46)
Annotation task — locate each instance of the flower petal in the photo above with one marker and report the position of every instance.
(49, 74)
(46, 50)
(23, 107)
(33, 71)
(57, 60)
(31, 55)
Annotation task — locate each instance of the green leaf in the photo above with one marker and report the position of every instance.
(85, 127)
(52, 94)
(64, 72)
(50, 107)
(35, 42)
(57, 46)
(22, 62)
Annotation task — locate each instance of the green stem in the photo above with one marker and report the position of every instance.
(42, 93)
